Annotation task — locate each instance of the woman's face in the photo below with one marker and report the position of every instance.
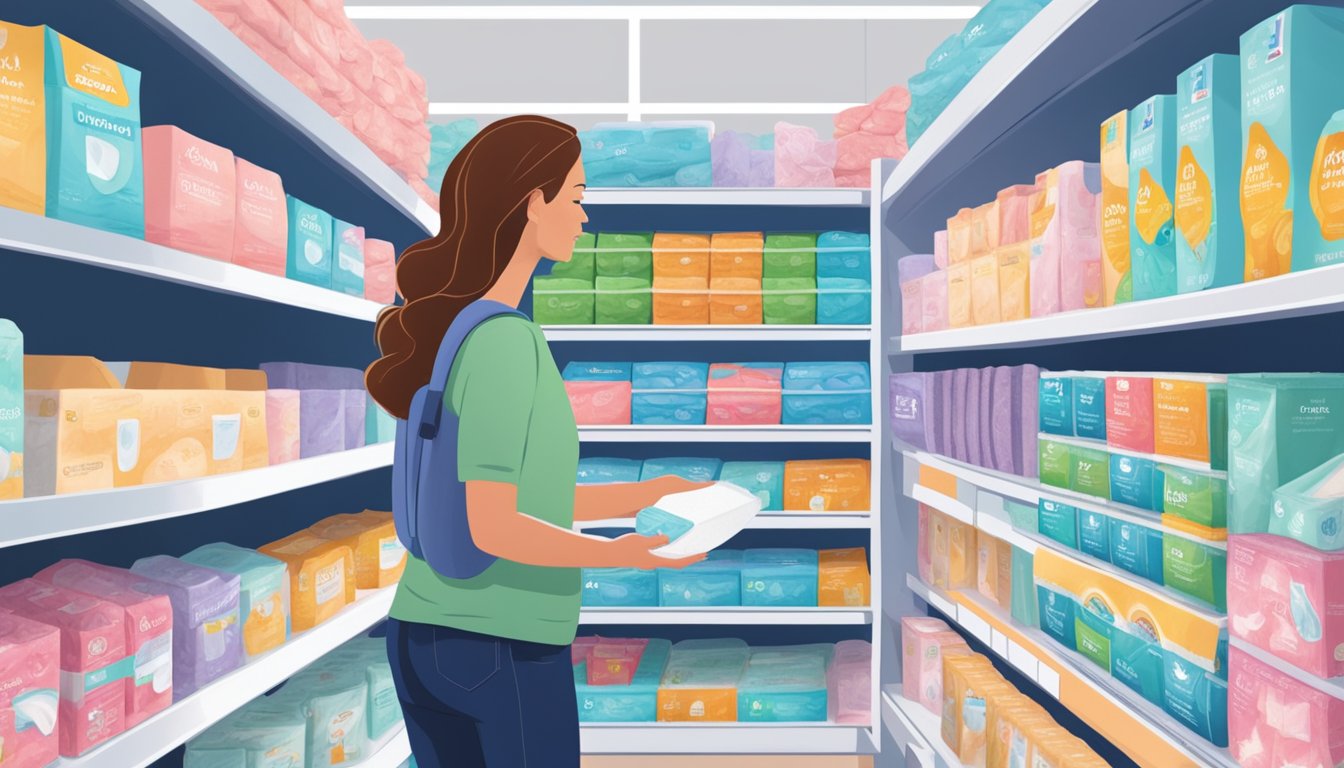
(560, 222)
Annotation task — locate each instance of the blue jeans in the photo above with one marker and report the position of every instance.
(476, 701)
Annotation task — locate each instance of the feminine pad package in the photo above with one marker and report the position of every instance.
(1089, 407)
(842, 578)
(383, 710)
(380, 271)
(1276, 720)
(844, 255)
(700, 680)
(1283, 596)
(933, 299)
(11, 411)
(1117, 283)
(23, 140)
(310, 240)
(763, 479)
(698, 521)
(189, 193)
(379, 425)
(621, 254)
(1094, 534)
(786, 684)
(1210, 250)
(746, 393)
(1199, 497)
(600, 393)
(1129, 412)
(716, 581)
(263, 600)
(594, 471)
(321, 577)
(669, 393)
(1056, 403)
(1194, 561)
(789, 300)
(695, 470)
(347, 249)
(30, 654)
(1058, 521)
(582, 264)
(1014, 269)
(827, 393)
(283, 417)
(1152, 187)
(1310, 509)
(849, 683)
(380, 558)
(846, 301)
(95, 172)
(827, 485)
(1190, 418)
(257, 735)
(562, 301)
(790, 256)
(735, 301)
(779, 577)
(677, 255)
(261, 219)
(619, 154)
(924, 643)
(1065, 244)
(334, 702)
(632, 702)
(619, 587)
(1136, 481)
(207, 633)
(912, 417)
(736, 255)
(331, 405)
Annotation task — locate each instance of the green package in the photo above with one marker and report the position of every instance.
(561, 301)
(1094, 624)
(1195, 569)
(1198, 497)
(1055, 460)
(789, 300)
(582, 264)
(625, 254)
(1217, 399)
(1091, 471)
(624, 301)
(1059, 522)
(1023, 589)
(790, 255)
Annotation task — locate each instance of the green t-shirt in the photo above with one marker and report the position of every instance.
(515, 425)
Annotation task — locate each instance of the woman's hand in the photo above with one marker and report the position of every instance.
(635, 551)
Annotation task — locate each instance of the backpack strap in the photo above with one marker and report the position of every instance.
(470, 318)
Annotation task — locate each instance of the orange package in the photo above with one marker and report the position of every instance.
(842, 578)
(736, 254)
(951, 552)
(73, 410)
(1014, 281)
(963, 690)
(1181, 418)
(994, 568)
(827, 485)
(959, 295)
(680, 255)
(984, 229)
(680, 301)
(321, 577)
(985, 290)
(372, 537)
(735, 301)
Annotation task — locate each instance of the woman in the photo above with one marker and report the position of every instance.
(482, 665)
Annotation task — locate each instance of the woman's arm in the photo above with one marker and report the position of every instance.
(615, 500)
(499, 529)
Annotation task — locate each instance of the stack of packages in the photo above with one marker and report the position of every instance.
(680, 279)
(674, 154)
(822, 485)
(953, 555)
(868, 132)
(743, 160)
(364, 84)
(329, 407)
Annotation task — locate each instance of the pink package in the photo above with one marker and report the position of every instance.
(1274, 720)
(849, 684)
(922, 561)
(283, 417)
(912, 307)
(189, 192)
(970, 413)
(1026, 412)
(1283, 596)
(940, 248)
(148, 620)
(92, 705)
(1014, 222)
(1066, 255)
(380, 271)
(745, 394)
(614, 661)
(959, 444)
(30, 668)
(801, 158)
(599, 402)
(933, 295)
(261, 219)
(986, 419)
(1129, 413)
(578, 651)
(924, 642)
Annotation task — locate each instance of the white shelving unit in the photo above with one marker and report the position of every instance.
(394, 754)
(734, 616)
(726, 739)
(624, 433)
(918, 728)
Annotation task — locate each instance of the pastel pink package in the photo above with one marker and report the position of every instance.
(380, 271)
(933, 296)
(261, 221)
(190, 191)
(283, 417)
(970, 412)
(801, 158)
(148, 620)
(940, 248)
(1129, 413)
(92, 706)
(1284, 596)
(849, 684)
(912, 307)
(599, 402)
(613, 661)
(924, 642)
(30, 654)
(745, 394)
(1274, 720)
(1014, 219)
(1080, 236)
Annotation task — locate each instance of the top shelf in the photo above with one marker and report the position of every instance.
(715, 196)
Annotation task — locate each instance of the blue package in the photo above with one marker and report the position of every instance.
(1136, 659)
(598, 371)
(619, 587)
(308, 257)
(1196, 697)
(595, 471)
(716, 581)
(633, 703)
(764, 479)
(845, 255)
(1056, 404)
(827, 393)
(695, 470)
(780, 577)
(1094, 537)
(652, 521)
(1137, 481)
(783, 686)
(640, 155)
(1057, 612)
(1137, 549)
(844, 301)
(1058, 521)
(669, 393)
(1089, 407)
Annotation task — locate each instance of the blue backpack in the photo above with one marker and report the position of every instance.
(429, 503)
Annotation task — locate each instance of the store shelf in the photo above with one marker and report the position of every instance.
(724, 739)
(768, 521)
(908, 722)
(163, 732)
(49, 517)
(1333, 686)
(53, 238)
(686, 333)
(627, 433)
(394, 754)
(1296, 294)
(768, 196)
(734, 616)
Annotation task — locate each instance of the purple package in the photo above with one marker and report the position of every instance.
(911, 417)
(914, 267)
(958, 411)
(307, 376)
(207, 631)
(354, 401)
(987, 418)
(943, 410)
(762, 168)
(971, 415)
(1026, 424)
(322, 422)
(1001, 417)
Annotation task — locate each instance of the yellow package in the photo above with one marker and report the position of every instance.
(23, 121)
(964, 704)
(842, 578)
(73, 410)
(1181, 418)
(959, 237)
(959, 295)
(1059, 749)
(985, 290)
(827, 485)
(986, 686)
(680, 255)
(144, 375)
(321, 577)
(736, 254)
(984, 229)
(960, 554)
(372, 537)
(994, 568)
(1014, 281)
(1002, 717)
(735, 301)
(1115, 270)
(697, 705)
(680, 301)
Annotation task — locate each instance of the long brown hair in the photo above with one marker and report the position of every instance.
(483, 207)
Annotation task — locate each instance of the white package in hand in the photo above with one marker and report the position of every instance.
(700, 520)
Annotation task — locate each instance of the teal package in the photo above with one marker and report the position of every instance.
(844, 301)
(715, 581)
(1137, 549)
(1058, 521)
(1217, 410)
(1095, 624)
(619, 587)
(95, 167)
(11, 410)
(844, 255)
(1312, 516)
(1280, 426)
(790, 689)
(597, 470)
(1094, 534)
(1055, 405)
(1057, 610)
(1136, 481)
(1195, 569)
(1136, 661)
(653, 521)
(1210, 250)
(780, 577)
(1152, 184)
(1091, 472)
(347, 248)
(379, 425)
(1195, 697)
(1198, 497)
(1023, 589)
(695, 470)
(764, 479)
(1023, 516)
(310, 240)
(1089, 407)
(1055, 462)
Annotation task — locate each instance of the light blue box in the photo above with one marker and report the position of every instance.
(764, 479)
(1136, 661)
(584, 371)
(1152, 181)
(844, 301)
(619, 587)
(379, 425)
(827, 393)
(633, 703)
(595, 471)
(639, 155)
(669, 393)
(779, 577)
(1055, 405)
(310, 240)
(783, 686)
(1196, 697)
(1023, 602)
(1137, 481)
(1208, 134)
(717, 581)
(1137, 549)
(347, 246)
(844, 255)
(694, 469)
(1058, 614)
(1089, 407)
(1094, 537)
(1058, 521)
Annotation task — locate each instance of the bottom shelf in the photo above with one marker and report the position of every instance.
(917, 728)
(725, 739)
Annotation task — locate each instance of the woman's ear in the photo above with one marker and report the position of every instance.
(535, 201)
